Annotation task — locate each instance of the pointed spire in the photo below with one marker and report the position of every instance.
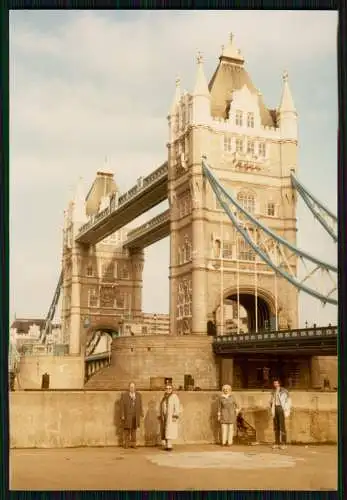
(231, 52)
(287, 103)
(201, 85)
(106, 168)
(177, 96)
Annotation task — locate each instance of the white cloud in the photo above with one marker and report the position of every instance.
(98, 84)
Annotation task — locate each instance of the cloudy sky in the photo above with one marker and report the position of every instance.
(85, 85)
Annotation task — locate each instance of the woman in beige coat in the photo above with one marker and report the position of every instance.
(169, 415)
(227, 412)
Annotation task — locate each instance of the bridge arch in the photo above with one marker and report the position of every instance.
(265, 307)
(108, 333)
(111, 330)
(105, 327)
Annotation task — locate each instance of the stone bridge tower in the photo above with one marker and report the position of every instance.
(102, 283)
(252, 150)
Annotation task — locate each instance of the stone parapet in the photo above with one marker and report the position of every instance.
(62, 419)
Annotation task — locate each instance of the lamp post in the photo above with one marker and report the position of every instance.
(86, 325)
(222, 274)
(86, 322)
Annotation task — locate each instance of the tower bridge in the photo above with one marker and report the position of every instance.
(231, 183)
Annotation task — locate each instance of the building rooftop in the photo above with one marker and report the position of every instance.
(23, 325)
(231, 75)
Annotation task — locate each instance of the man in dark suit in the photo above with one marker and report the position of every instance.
(130, 413)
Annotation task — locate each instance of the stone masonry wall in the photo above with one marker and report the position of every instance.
(65, 372)
(140, 358)
(70, 419)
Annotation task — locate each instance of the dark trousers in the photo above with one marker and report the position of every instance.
(130, 433)
(280, 426)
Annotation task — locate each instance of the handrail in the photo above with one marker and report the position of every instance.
(318, 332)
(163, 217)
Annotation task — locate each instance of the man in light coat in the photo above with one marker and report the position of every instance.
(131, 413)
(280, 406)
(169, 415)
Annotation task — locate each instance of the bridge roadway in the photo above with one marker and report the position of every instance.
(150, 232)
(146, 194)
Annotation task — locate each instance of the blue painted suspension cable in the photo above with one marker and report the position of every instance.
(268, 231)
(216, 186)
(307, 197)
(319, 203)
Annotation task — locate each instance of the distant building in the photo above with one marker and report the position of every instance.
(26, 331)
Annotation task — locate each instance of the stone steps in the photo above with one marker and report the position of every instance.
(110, 377)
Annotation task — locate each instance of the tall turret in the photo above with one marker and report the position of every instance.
(177, 97)
(201, 95)
(287, 115)
(173, 113)
(230, 53)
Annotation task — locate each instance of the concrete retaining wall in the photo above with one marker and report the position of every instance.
(65, 372)
(77, 418)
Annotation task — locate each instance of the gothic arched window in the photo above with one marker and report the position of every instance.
(90, 270)
(184, 300)
(247, 201)
(245, 250)
(184, 254)
(217, 248)
(187, 250)
(93, 297)
(179, 251)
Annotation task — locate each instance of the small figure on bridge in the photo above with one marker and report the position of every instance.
(227, 413)
(280, 406)
(131, 412)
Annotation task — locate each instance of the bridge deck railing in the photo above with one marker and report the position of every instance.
(147, 226)
(327, 331)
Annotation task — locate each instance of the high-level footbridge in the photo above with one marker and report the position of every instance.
(144, 195)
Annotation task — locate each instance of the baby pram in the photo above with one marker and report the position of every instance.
(245, 433)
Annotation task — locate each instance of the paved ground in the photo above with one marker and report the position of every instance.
(186, 468)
